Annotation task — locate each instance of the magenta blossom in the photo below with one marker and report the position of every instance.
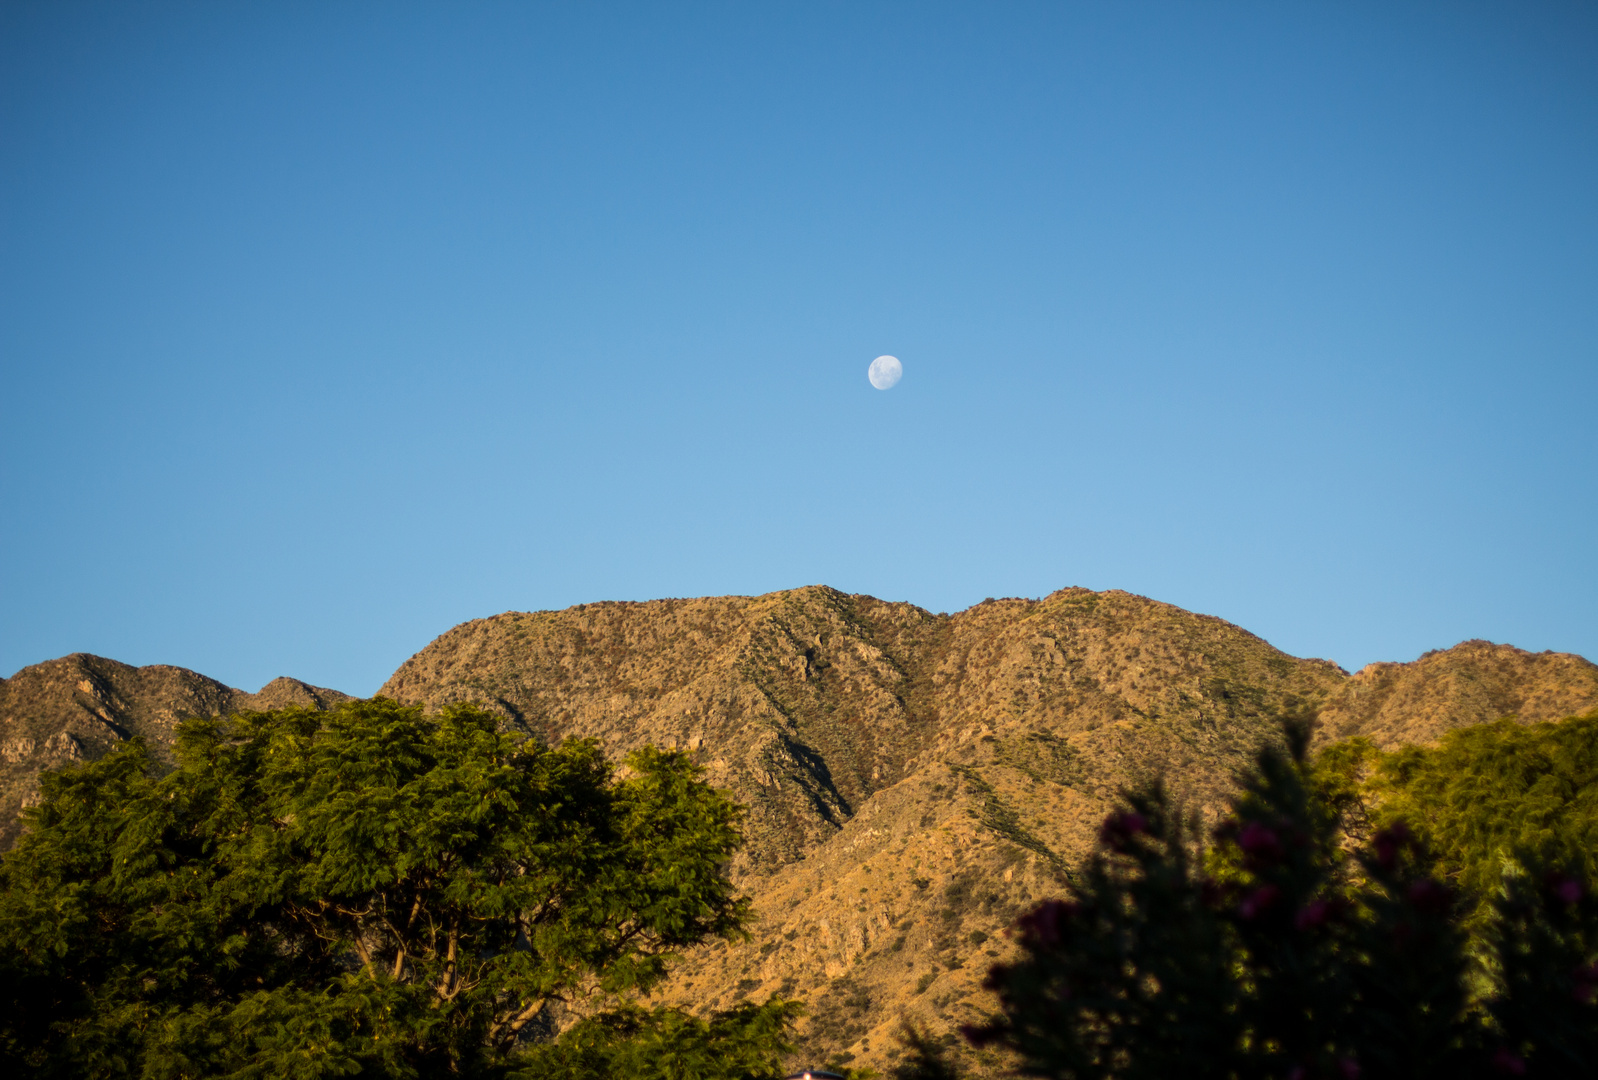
(1508, 1062)
(1119, 828)
(1586, 987)
(1567, 889)
(1255, 903)
(1313, 914)
(1043, 926)
(1260, 842)
(1389, 842)
(1429, 896)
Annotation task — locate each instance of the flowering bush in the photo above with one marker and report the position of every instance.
(1288, 951)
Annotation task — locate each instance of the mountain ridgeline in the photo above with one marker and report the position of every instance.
(913, 781)
(78, 707)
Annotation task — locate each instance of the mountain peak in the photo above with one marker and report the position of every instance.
(913, 780)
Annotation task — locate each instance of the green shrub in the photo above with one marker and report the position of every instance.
(1497, 797)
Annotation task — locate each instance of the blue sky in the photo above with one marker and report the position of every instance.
(328, 326)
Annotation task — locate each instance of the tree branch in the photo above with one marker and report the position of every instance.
(446, 981)
(506, 1030)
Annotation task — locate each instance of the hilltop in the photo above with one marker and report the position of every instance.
(80, 706)
(913, 780)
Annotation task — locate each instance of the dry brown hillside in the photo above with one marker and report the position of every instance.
(808, 703)
(1395, 704)
(78, 707)
(913, 780)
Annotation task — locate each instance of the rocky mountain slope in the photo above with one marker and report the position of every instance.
(1419, 702)
(913, 780)
(78, 707)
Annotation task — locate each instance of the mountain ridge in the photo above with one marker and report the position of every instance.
(913, 780)
(78, 707)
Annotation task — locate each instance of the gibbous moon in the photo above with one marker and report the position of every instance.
(885, 371)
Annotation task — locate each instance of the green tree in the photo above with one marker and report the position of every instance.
(664, 1045)
(366, 891)
(1287, 952)
(1493, 798)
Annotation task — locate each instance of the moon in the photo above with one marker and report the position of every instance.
(884, 372)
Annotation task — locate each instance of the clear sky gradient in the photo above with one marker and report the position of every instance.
(324, 327)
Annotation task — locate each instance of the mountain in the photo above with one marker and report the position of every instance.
(913, 780)
(809, 703)
(79, 707)
(1396, 704)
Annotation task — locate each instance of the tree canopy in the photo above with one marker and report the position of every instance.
(1484, 798)
(369, 891)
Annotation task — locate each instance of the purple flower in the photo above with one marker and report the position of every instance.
(1586, 979)
(1119, 828)
(1429, 896)
(1389, 842)
(1313, 914)
(1566, 889)
(1042, 926)
(1260, 842)
(1256, 902)
(1508, 1062)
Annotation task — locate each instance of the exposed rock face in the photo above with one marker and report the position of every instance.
(810, 702)
(79, 707)
(913, 780)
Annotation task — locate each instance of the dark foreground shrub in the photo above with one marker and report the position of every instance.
(1287, 951)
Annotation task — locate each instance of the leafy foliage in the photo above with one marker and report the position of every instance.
(1288, 952)
(1494, 796)
(663, 1045)
(365, 891)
